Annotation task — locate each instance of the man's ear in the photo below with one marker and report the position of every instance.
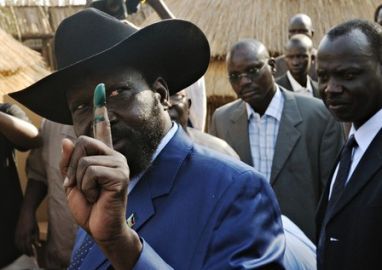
(160, 87)
(272, 64)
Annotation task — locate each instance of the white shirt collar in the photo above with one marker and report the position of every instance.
(365, 134)
(297, 87)
(273, 109)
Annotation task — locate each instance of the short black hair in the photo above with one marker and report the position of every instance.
(371, 30)
(376, 12)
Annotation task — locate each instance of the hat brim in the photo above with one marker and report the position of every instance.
(176, 50)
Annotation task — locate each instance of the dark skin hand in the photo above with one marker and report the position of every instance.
(96, 186)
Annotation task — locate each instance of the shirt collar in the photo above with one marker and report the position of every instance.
(297, 87)
(165, 140)
(365, 134)
(273, 109)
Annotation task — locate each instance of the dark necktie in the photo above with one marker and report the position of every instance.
(338, 188)
(81, 253)
(343, 171)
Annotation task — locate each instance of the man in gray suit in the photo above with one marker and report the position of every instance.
(291, 139)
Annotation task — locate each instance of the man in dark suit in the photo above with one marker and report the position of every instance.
(148, 198)
(289, 138)
(350, 82)
(298, 56)
(298, 24)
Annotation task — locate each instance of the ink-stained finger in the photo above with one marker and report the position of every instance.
(101, 124)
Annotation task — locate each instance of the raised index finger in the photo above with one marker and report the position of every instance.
(101, 126)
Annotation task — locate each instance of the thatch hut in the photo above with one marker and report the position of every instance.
(35, 25)
(226, 21)
(19, 65)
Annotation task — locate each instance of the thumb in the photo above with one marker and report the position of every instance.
(67, 150)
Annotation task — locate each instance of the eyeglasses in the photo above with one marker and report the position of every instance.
(251, 74)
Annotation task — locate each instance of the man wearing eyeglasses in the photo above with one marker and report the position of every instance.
(290, 138)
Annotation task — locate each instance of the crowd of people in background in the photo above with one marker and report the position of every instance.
(287, 176)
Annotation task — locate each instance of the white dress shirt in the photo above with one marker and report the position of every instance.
(364, 135)
(298, 88)
(263, 133)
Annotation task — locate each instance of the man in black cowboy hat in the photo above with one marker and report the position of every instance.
(186, 208)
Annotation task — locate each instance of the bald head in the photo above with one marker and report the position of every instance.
(299, 41)
(253, 46)
(300, 24)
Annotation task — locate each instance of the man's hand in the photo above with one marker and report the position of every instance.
(27, 233)
(96, 188)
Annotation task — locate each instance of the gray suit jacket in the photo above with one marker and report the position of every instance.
(307, 145)
(284, 82)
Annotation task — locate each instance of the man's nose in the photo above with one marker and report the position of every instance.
(295, 61)
(244, 80)
(333, 86)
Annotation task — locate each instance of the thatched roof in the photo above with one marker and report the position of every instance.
(226, 21)
(19, 65)
(25, 22)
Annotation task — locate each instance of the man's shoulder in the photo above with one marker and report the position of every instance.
(282, 80)
(229, 107)
(305, 101)
(220, 166)
(211, 142)
(280, 58)
(310, 108)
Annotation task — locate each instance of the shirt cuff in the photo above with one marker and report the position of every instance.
(149, 259)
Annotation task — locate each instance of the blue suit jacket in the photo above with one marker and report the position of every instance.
(197, 209)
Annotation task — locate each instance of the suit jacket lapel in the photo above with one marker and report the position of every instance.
(284, 82)
(238, 133)
(323, 203)
(288, 134)
(288, 86)
(156, 181)
(368, 165)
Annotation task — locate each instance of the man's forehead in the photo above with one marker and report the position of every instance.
(296, 50)
(254, 52)
(353, 43)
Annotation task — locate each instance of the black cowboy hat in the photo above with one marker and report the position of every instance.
(90, 42)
